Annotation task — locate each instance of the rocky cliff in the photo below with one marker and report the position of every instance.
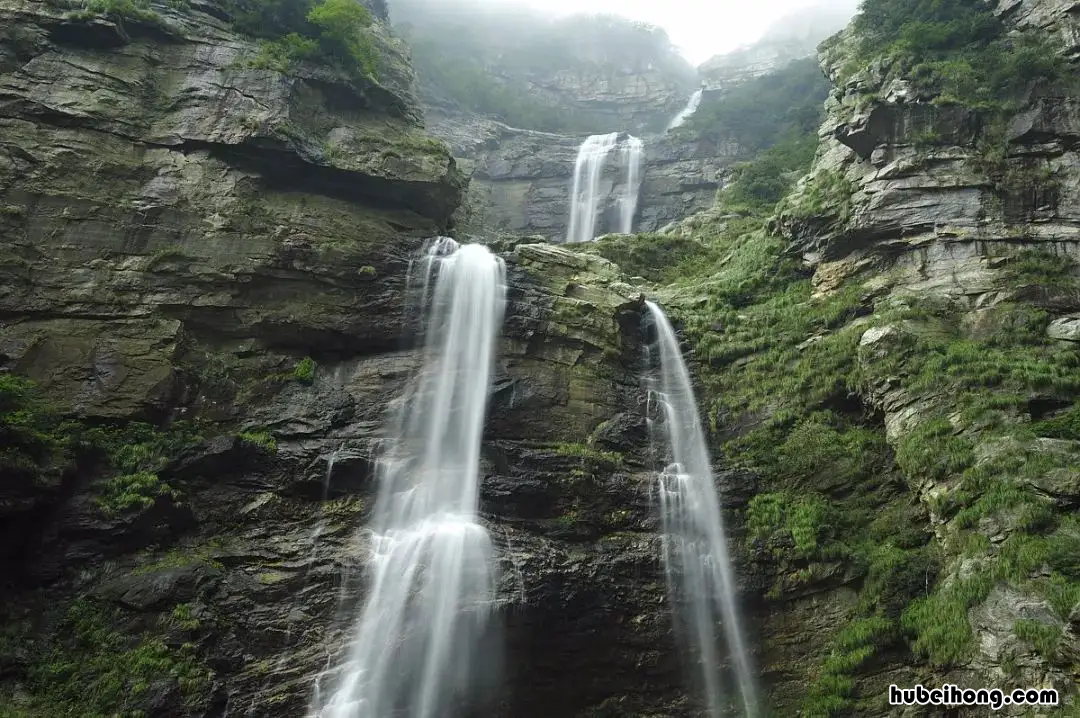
(895, 353)
(203, 274)
(204, 267)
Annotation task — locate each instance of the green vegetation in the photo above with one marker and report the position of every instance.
(587, 453)
(1043, 637)
(765, 111)
(184, 618)
(90, 669)
(805, 518)
(782, 368)
(825, 196)
(337, 32)
(38, 445)
(956, 50)
(757, 186)
(830, 692)
(34, 443)
(305, 371)
(135, 453)
(261, 440)
(138, 11)
(140, 490)
(179, 558)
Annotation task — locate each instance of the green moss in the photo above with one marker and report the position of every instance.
(91, 670)
(180, 558)
(567, 520)
(262, 440)
(587, 453)
(283, 54)
(164, 255)
(367, 271)
(1043, 637)
(304, 372)
(1040, 268)
(136, 453)
(12, 210)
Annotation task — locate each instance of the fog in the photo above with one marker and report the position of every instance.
(699, 28)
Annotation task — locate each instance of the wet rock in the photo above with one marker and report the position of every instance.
(159, 588)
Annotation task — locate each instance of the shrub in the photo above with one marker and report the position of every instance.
(304, 372)
(335, 31)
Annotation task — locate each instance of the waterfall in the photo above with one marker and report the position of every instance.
(585, 197)
(628, 201)
(585, 193)
(414, 645)
(684, 113)
(700, 579)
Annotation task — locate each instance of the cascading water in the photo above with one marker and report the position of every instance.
(633, 151)
(684, 113)
(585, 192)
(700, 579)
(414, 645)
(585, 196)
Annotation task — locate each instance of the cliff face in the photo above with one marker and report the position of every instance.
(203, 269)
(941, 234)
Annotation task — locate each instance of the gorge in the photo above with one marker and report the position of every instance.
(212, 219)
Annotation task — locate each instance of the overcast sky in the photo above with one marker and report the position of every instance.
(701, 28)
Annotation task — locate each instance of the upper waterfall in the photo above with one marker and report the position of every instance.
(684, 113)
(701, 584)
(432, 569)
(587, 195)
(585, 192)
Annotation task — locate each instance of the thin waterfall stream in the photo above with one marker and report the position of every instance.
(700, 579)
(414, 644)
(685, 113)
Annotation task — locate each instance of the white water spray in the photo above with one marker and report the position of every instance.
(432, 588)
(585, 192)
(684, 113)
(633, 151)
(700, 579)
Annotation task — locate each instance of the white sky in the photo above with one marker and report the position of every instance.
(700, 28)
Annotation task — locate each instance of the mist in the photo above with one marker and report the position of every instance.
(698, 29)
